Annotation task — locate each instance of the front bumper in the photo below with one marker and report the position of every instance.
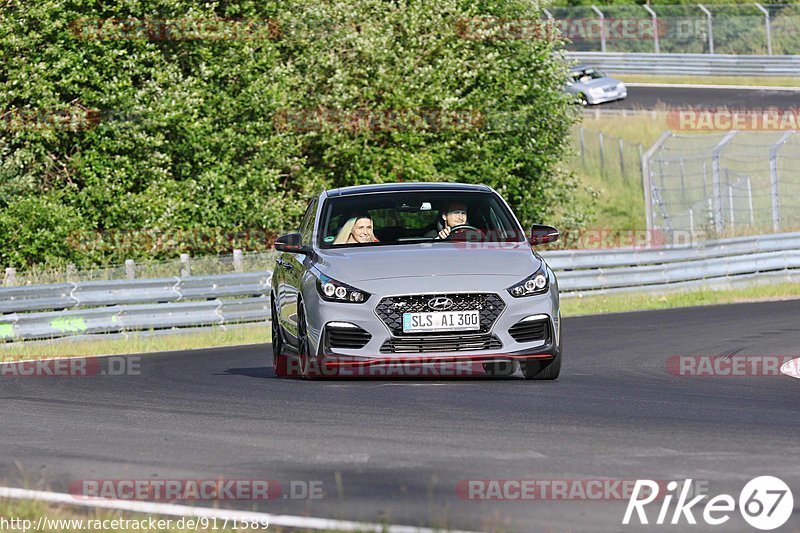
(364, 316)
(601, 98)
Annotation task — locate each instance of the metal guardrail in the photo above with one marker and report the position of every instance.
(689, 64)
(724, 262)
(48, 311)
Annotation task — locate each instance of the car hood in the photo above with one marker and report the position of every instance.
(599, 82)
(512, 260)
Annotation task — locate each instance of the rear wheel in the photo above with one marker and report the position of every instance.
(541, 369)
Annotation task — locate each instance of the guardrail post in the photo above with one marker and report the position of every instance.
(602, 28)
(716, 181)
(238, 263)
(655, 27)
(773, 174)
(186, 267)
(766, 24)
(130, 269)
(710, 28)
(11, 277)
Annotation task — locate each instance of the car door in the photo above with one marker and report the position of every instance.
(291, 268)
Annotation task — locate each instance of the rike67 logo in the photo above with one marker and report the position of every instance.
(765, 503)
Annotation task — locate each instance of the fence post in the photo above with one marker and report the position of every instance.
(773, 175)
(710, 28)
(583, 149)
(730, 205)
(655, 27)
(130, 269)
(186, 267)
(238, 263)
(647, 181)
(750, 201)
(11, 277)
(602, 28)
(622, 158)
(766, 24)
(602, 153)
(716, 180)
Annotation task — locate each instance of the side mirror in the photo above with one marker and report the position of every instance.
(291, 242)
(541, 234)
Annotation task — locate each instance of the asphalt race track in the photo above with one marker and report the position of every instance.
(395, 449)
(692, 97)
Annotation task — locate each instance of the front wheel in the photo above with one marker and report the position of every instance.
(541, 369)
(282, 364)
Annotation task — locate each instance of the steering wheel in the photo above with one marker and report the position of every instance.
(462, 228)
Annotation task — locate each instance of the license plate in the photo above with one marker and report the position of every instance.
(441, 321)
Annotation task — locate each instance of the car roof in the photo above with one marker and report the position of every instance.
(407, 187)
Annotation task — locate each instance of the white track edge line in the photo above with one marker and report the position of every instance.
(711, 86)
(207, 512)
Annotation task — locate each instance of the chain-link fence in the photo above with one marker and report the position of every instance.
(728, 183)
(681, 29)
(609, 157)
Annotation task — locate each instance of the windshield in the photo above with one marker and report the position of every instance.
(587, 75)
(413, 217)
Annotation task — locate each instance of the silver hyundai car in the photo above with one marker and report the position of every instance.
(414, 274)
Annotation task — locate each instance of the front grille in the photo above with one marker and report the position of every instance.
(351, 338)
(532, 330)
(391, 309)
(442, 343)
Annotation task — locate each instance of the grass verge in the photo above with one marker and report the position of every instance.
(620, 303)
(766, 81)
(258, 333)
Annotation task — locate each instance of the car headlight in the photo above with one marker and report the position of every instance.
(335, 291)
(536, 283)
(620, 86)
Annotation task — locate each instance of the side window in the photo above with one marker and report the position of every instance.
(307, 225)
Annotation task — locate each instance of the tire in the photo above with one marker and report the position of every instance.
(282, 364)
(539, 369)
(499, 369)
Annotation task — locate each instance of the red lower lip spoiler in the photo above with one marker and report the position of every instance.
(434, 359)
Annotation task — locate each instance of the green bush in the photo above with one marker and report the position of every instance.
(147, 133)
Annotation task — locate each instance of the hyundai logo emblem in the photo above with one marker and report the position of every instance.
(440, 303)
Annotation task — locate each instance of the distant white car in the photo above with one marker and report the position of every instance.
(594, 87)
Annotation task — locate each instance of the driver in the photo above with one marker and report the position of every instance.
(454, 215)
